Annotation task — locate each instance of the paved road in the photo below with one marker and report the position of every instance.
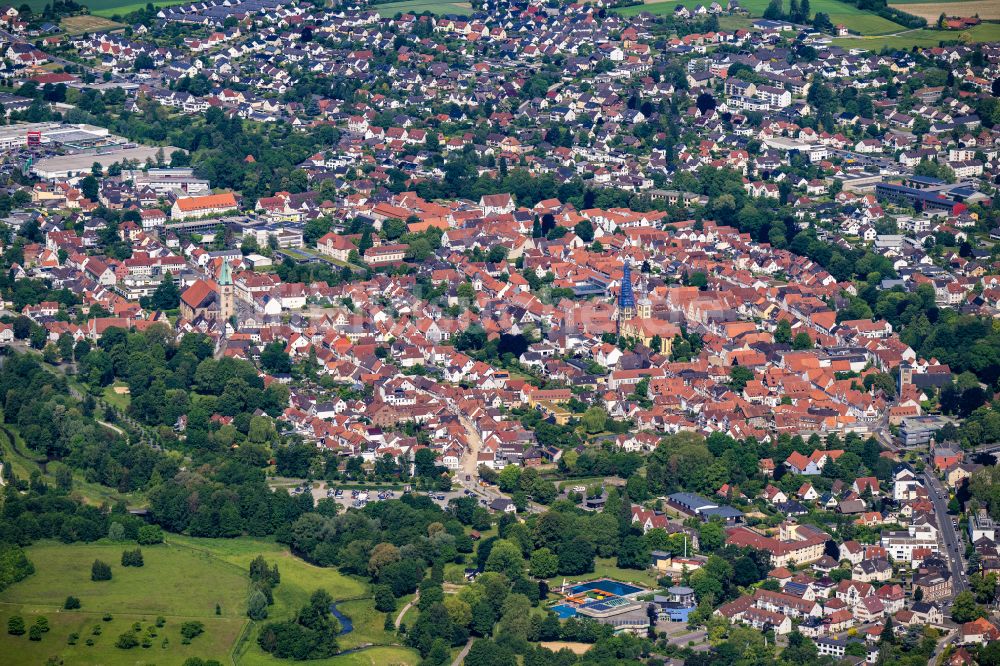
(347, 501)
(942, 643)
(954, 549)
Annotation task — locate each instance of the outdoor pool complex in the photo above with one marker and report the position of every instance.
(564, 611)
(610, 586)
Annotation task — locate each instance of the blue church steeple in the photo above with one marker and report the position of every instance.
(626, 298)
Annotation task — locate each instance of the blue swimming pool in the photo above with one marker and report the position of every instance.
(564, 611)
(612, 586)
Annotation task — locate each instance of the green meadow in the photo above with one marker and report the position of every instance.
(855, 19)
(182, 580)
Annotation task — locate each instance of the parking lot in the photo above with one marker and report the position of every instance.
(359, 497)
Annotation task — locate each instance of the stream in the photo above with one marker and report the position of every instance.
(346, 626)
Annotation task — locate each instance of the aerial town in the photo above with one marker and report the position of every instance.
(511, 333)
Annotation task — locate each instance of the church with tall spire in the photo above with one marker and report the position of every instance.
(626, 298)
(634, 316)
(227, 300)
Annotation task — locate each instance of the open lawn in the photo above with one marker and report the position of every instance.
(117, 396)
(855, 19)
(984, 9)
(23, 462)
(986, 32)
(298, 580)
(175, 583)
(604, 567)
(377, 656)
(182, 580)
(77, 25)
(439, 7)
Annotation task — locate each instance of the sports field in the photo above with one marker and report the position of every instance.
(182, 580)
(855, 19)
(439, 7)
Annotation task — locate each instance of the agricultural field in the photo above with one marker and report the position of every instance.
(120, 8)
(984, 9)
(77, 25)
(182, 580)
(108, 8)
(439, 7)
(924, 38)
(855, 19)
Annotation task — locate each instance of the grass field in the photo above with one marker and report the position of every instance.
(855, 19)
(175, 583)
(77, 25)
(23, 462)
(181, 580)
(984, 9)
(417, 6)
(115, 398)
(298, 580)
(604, 567)
(985, 32)
(376, 656)
(110, 7)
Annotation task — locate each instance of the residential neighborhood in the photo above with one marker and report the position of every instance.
(565, 333)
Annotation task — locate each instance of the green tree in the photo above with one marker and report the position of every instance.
(149, 535)
(544, 563)
(15, 625)
(385, 602)
(509, 479)
(116, 531)
(275, 359)
(711, 536)
(783, 332)
(485, 652)
(506, 558)
(257, 605)
(365, 243)
(965, 609)
(167, 296)
(738, 377)
(802, 341)
(594, 420)
(132, 558)
(100, 571)
(774, 11)
(89, 187)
